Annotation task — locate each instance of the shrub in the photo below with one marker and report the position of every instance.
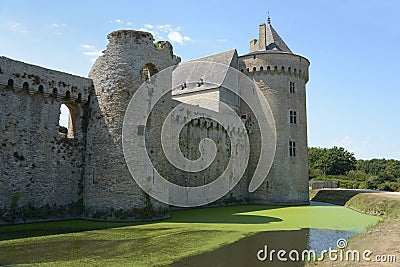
(373, 182)
(313, 173)
(389, 186)
(357, 175)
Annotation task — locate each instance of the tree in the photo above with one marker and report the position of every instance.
(389, 170)
(332, 161)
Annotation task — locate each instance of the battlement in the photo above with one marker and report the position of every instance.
(18, 75)
(274, 63)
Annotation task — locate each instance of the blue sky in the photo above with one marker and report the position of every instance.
(352, 94)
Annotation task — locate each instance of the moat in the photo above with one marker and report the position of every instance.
(244, 252)
(209, 236)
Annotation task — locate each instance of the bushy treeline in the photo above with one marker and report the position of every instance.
(338, 164)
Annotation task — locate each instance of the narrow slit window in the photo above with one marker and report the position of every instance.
(292, 87)
(293, 117)
(292, 148)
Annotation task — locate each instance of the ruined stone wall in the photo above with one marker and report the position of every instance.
(131, 57)
(287, 181)
(41, 170)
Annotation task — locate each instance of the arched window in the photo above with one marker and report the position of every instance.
(25, 86)
(41, 89)
(67, 94)
(148, 70)
(68, 120)
(54, 92)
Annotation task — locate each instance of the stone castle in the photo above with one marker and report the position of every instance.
(83, 174)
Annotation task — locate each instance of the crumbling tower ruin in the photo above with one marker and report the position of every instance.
(131, 57)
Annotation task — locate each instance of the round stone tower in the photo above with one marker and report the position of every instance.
(130, 59)
(282, 77)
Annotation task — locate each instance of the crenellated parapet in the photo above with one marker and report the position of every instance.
(33, 79)
(274, 64)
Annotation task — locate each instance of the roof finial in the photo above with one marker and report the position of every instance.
(269, 19)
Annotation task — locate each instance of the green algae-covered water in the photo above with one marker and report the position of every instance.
(196, 237)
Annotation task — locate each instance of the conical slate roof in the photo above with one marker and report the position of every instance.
(273, 40)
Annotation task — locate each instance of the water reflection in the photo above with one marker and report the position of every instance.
(322, 239)
(244, 252)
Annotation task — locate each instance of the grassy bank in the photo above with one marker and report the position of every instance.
(186, 233)
(374, 203)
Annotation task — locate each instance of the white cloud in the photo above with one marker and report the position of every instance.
(173, 33)
(345, 142)
(17, 27)
(86, 46)
(56, 25)
(122, 23)
(93, 53)
(177, 37)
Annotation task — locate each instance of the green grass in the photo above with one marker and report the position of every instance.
(365, 202)
(186, 233)
(372, 203)
(337, 197)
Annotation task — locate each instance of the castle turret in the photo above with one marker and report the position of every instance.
(281, 76)
(131, 58)
(268, 40)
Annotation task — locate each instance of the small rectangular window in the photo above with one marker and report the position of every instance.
(292, 149)
(293, 117)
(291, 87)
(140, 129)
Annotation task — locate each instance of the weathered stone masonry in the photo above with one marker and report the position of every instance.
(39, 169)
(44, 174)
